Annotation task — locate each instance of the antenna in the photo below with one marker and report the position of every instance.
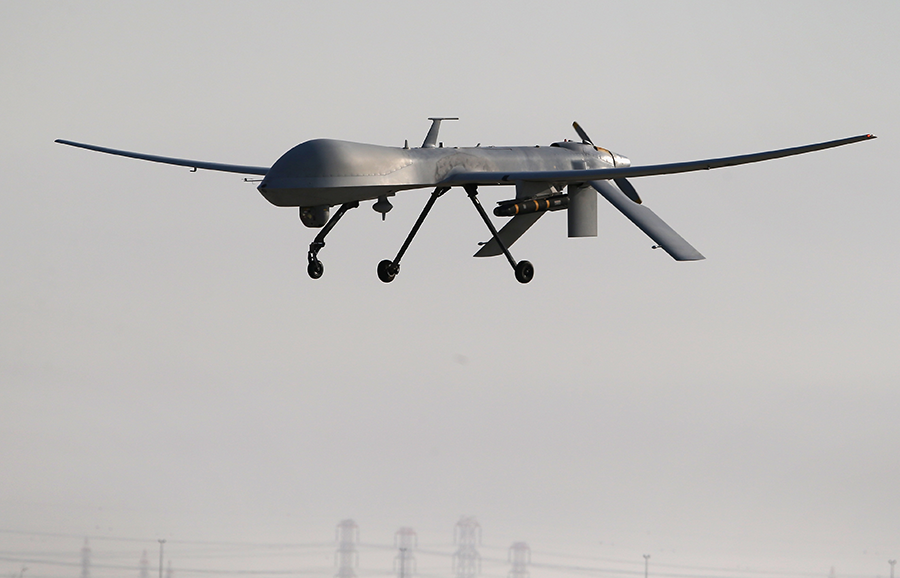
(431, 138)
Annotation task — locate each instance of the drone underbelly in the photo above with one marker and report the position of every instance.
(331, 195)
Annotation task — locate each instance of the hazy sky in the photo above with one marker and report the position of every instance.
(169, 371)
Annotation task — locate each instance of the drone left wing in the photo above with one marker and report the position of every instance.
(623, 196)
(241, 169)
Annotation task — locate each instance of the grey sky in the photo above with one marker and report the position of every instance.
(169, 371)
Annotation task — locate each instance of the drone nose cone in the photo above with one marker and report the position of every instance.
(277, 191)
(267, 183)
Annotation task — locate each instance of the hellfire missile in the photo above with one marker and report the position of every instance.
(525, 206)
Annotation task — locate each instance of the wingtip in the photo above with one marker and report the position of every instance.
(688, 256)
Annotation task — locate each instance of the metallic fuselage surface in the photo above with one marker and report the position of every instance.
(331, 172)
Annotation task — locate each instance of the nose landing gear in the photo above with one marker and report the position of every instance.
(314, 268)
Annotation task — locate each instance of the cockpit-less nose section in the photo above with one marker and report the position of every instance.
(320, 174)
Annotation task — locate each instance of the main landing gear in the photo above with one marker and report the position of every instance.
(524, 270)
(388, 269)
(315, 267)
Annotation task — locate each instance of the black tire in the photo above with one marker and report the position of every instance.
(524, 272)
(387, 271)
(315, 269)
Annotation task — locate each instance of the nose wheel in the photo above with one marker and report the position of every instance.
(315, 268)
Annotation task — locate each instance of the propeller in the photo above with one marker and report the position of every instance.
(625, 198)
(622, 183)
(584, 136)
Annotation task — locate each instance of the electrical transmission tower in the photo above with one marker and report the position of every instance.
(346, 557)
(404, 562)
(520, 557)
(85, 560)
(467, 536)
(145, 565)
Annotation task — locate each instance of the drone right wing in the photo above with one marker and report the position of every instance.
(241, 169)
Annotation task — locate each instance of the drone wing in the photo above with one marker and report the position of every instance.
(622, 194)
(582, 176)
(647, 221)
(242, 169)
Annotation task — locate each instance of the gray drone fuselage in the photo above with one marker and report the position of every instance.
(331, 172)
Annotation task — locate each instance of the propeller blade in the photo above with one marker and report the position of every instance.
(584, 137)
(628, 189)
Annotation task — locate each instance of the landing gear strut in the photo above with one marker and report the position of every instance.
(524, 270)
(315, 267)
(388, 269)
